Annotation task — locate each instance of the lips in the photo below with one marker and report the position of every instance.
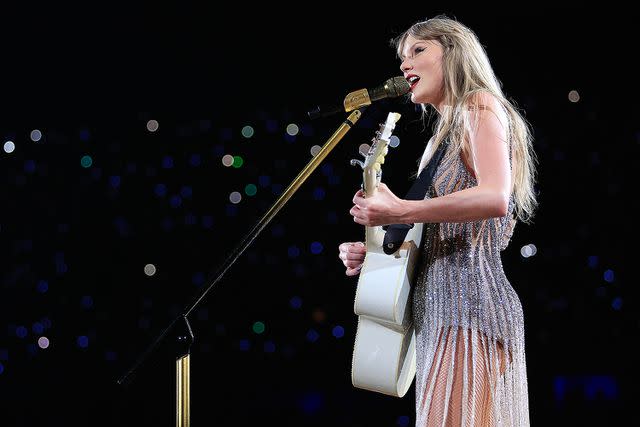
(413, 80)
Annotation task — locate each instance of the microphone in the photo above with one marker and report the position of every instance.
(391, 88)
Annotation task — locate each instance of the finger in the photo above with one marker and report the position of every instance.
(348, 256)
(352, 271)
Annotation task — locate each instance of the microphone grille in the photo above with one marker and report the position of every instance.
(397, 86)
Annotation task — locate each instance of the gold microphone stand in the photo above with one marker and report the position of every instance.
(180, 328)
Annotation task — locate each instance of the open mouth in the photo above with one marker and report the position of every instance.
(413, 81)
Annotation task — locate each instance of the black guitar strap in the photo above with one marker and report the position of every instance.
(396, 233)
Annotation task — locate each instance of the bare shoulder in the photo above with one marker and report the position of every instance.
(487, 107)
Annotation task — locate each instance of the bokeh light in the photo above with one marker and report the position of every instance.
(149, 269)
(152, 125)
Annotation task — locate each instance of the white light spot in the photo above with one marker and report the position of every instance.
(292, 129)
(36, 135)
(574, 96)
(149, 270)
(315, 150)
(235, 197)
(533, 249)
(526, 251)
(9, 146)
(394, 141)
(152, 125)
(43, 342)
(227, 160)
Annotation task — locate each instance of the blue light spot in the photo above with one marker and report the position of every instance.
(312, 402)
(83, 341)
(593, 261)
(114, 181)
(195, 160)
(269, 347)
(271, 126)
(37, 328)
(43, 286)
(175, 201)
(29, 166)
(226, 134)
(244, 345)
(293, 251)
(167, 162)
(232, 210)
(278, 231)
(559, 388)
(318, 193)
(1, 368)
(277, 189)
(334, 180)
(608, 276)
(203, 314)
(144, 323)
(198, 278)
(84, 135)
(403, 421)
(86, 302)
(602, 386)
(32, 349)
(186, 192)
(167, 224)
(110, 356)
(332, 217)
(190, 219)
(316, 248)
(312, 335)
(338, 331)
(617, 303)
(21, 332)
(218, 150)
(161, 190)
(207, 221)
(264, 180)
(295, 302)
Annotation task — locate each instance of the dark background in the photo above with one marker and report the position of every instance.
(75, 239)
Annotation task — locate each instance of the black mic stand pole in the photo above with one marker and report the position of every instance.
(179, 331)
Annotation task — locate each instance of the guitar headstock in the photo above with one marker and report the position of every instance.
(374, 158)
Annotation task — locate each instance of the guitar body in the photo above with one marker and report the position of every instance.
(384, 357)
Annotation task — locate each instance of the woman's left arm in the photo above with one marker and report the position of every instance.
(490, 198)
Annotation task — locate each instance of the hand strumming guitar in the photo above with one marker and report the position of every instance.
(352, 256)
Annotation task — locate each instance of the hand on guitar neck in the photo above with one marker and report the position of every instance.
(352, 255)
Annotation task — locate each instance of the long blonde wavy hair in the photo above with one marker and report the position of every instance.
(467, 73)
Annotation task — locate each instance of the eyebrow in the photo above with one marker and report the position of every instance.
(412, 46)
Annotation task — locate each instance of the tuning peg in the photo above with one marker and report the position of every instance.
(356, 162)
(364, 150)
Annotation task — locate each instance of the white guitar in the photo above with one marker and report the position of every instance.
(384, 357)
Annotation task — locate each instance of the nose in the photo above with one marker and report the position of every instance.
(405, 65)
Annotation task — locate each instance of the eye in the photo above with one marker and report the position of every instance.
(418, 50)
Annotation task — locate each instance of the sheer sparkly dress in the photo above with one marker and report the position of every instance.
(471, 368)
